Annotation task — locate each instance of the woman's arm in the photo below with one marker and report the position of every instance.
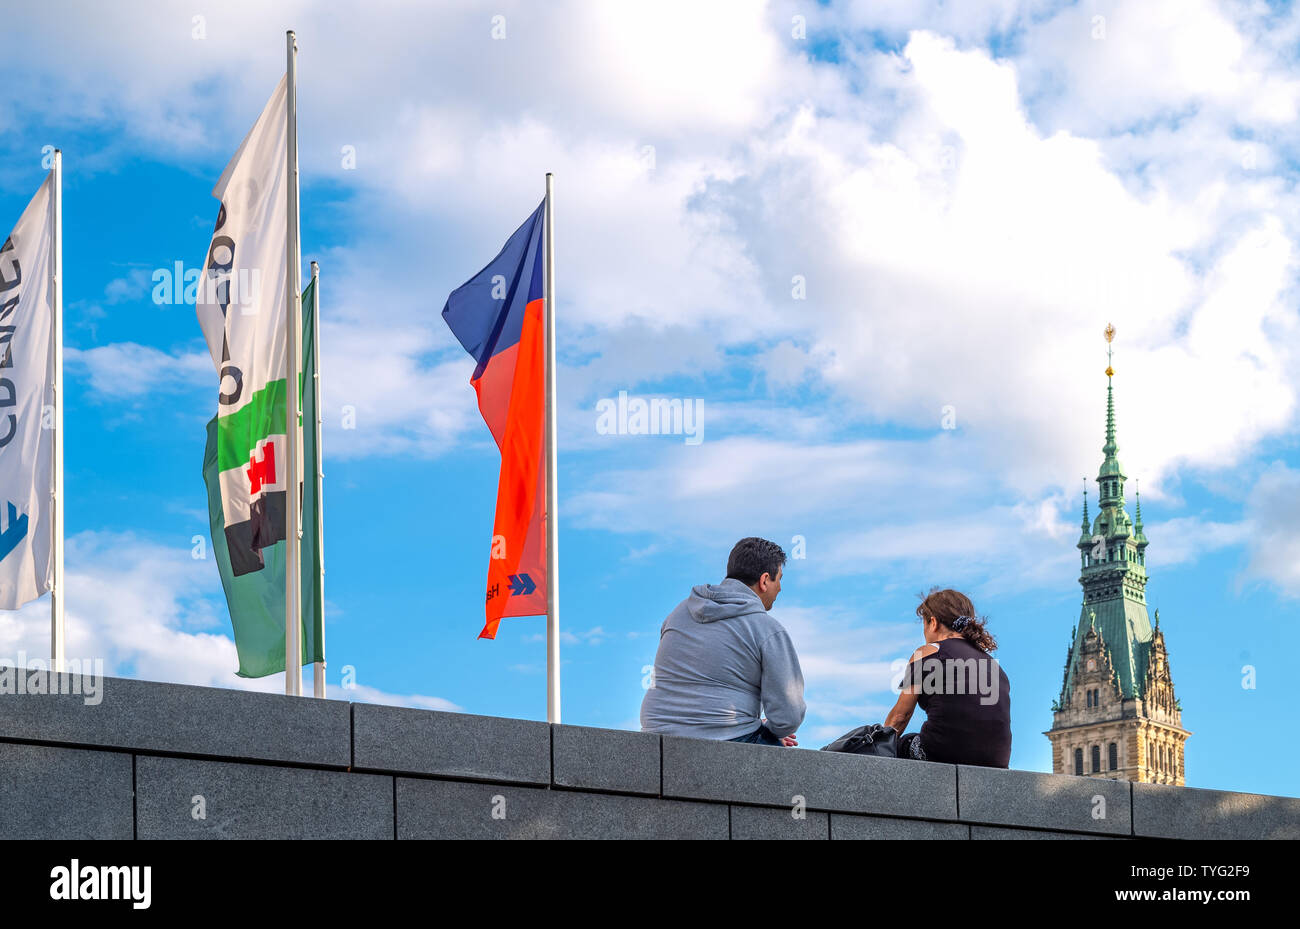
(902, 712)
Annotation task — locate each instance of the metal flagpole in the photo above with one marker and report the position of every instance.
(318, 678)
(552, 533)
(57, 596)
(293, 362)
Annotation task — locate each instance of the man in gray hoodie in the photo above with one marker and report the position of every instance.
(723, 661)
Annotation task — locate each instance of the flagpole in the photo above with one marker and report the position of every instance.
(293, 362)
(57, 596)
(552, 498)
(318, 678)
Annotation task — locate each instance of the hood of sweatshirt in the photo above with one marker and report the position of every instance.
(709, 603)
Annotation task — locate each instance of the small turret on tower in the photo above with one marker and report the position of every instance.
(1140, 537)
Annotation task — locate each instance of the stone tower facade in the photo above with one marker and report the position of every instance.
(1117, 716)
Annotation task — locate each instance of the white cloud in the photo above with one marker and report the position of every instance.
(696, 485)
(594, 636)
(971, 20)
(362, 694)
(380, 398)
(788, 365)
(128, 370)
(1273, 529)
(966, 259)
(131, 286)
(1162, 59)
(1187, 539)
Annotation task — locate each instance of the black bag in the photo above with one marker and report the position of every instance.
(867, 740)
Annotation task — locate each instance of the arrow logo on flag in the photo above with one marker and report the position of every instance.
(520, 584)
(16, 532)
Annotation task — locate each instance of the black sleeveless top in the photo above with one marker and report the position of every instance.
(967, 701)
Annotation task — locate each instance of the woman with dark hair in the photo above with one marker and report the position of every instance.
(964, 692)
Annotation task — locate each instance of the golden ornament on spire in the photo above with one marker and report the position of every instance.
(1110, 337)
(1110, 333)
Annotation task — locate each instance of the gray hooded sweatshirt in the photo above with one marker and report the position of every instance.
(723, 663)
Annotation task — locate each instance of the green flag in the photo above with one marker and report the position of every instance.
(255, 594)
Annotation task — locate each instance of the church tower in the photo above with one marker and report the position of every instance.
(1117, 716)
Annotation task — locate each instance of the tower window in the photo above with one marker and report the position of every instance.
(1090, 699)
(1114, 756)
(1078, 761)
(1096, 759)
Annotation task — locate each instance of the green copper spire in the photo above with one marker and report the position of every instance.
(1113, 568)
(1111, 475)
(1110, 448)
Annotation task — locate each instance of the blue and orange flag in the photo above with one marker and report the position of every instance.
(499, 316)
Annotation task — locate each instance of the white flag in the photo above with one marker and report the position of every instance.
(242, 309)
(26, 405)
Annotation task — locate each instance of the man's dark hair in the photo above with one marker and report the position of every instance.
(752, 558)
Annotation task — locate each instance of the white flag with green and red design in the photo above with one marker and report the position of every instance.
(242, 309)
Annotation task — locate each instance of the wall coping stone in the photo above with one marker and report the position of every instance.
(182, 719)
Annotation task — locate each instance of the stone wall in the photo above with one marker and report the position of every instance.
(150, 757)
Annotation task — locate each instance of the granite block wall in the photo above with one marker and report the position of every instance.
(149, 760)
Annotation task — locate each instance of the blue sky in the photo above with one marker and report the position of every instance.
(964, 194)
